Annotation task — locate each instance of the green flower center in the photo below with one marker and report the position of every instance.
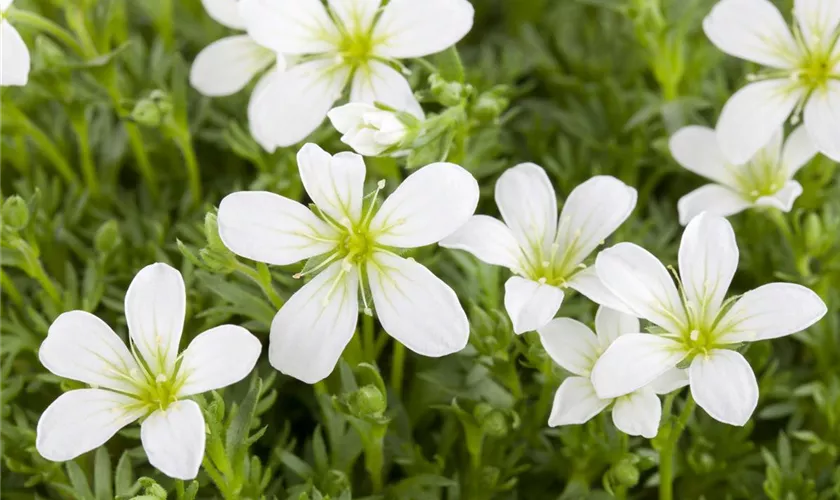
(762, 176)
(357, 245)
(356, 49)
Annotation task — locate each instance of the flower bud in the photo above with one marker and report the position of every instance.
(211, 231)
(218, 260)
(368, 401)
(493, 422)
(370, 131)
(489, 106)
(813, 231)
(153, 110)
(107, 237)
(625, 473)
(15, 213)
(447, 93)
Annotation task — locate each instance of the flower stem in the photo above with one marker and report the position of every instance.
(666, 453)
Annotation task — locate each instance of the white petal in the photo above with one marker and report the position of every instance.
(784, 198)
(592, 212)
(753, 30)
(638, 413)
(752, 115)
(174, 439)
(711, 198)
(798, 150)
(696, 149)
(570, 344)
(225, 12)
(408, 28)
(633, 361)
(489, 240)
(311, 330)
(378, 82)
(643, 284)
(349, 116)
(770, 311)
(587, 283)
(155, 307)
(219, 357)
(575, 402)
(611, 324)
(335, 183)
(528, 204)
(261, 125)
(81, 420)
(356, 15)
(296, 101)
(818, 20)
(225, 66)
(429, 205)
(267, 227)
(670, 381)
(416, 307)
(290, 26)
(530, 305)
(5, 4)
(723, 384)
(82, 347)
(822, 119)
(14, 56)
(708, 259)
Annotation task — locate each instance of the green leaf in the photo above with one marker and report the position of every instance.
(102, 481)
(124, 476)
(449, 64)
(79, 481)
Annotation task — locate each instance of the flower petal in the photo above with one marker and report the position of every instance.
(174, 439)
(356, 15)
(822, 118)
(638, 413)
(530, 305)
(752, 115)
(217, 358)
(670, 381)
(696, 149)
(633, 361)
(15, 56)
(408, 28)
(335, 183)
(770, 311)
(818, 20)
(784, 198)
(611, 324)
(587, 283)
(753, 30)
(429, 205)
(296, 101)
(798, 150)
(711, 198)
(290, 26)
(592, 212)
(347, 117)
(643, 284)
(81, 420)
(489, 240)
(267, 227)
(155, 308)
(416, 307)
(570, 344)
(528, 205)
(378, 82)
(225, 12)
(260, 124)
(313, 327)
(723, 384)
(226, 66)
(575, 402)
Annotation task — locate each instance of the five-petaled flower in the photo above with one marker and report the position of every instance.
(803, 75)
(694, 326)
(150, 381)
(14, 55)
(355, 248)
(352, 42)
(370, 131)
(544, 253)
(765, 180)
(572, 345)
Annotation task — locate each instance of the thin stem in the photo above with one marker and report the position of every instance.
(397, 367)
(80, 126)
(184, 142)
(35, 21)
(267, 288)
(666, 454)
(368, 341)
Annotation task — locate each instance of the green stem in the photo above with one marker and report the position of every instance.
(184, 142)
(397, 367)
(80, 126)
(37, 22)
(368, 341)
(266, 287)
(666, 454)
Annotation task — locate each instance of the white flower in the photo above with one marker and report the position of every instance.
(352, 42)
(765, 180)
(355, 248)
(370, 131)
(546, 255)
(695, 326)
(14, 56)
(226, 66)
(151, 381)
(573, 346)
(802, 75)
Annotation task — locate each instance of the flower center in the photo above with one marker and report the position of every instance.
(156, 392)
(356, 48)
(762, 176)
(815, 71)
(357, 245)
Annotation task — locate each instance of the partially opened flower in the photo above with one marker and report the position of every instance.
(14, 55)
(802, 75)
(694, 325)
(545, 253)
(353, 42)
(150, 382)
(354, 247)
(369, 130)
(765, 180)
(226, 66)
(572, 345)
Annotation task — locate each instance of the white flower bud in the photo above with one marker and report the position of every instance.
(367, 129)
